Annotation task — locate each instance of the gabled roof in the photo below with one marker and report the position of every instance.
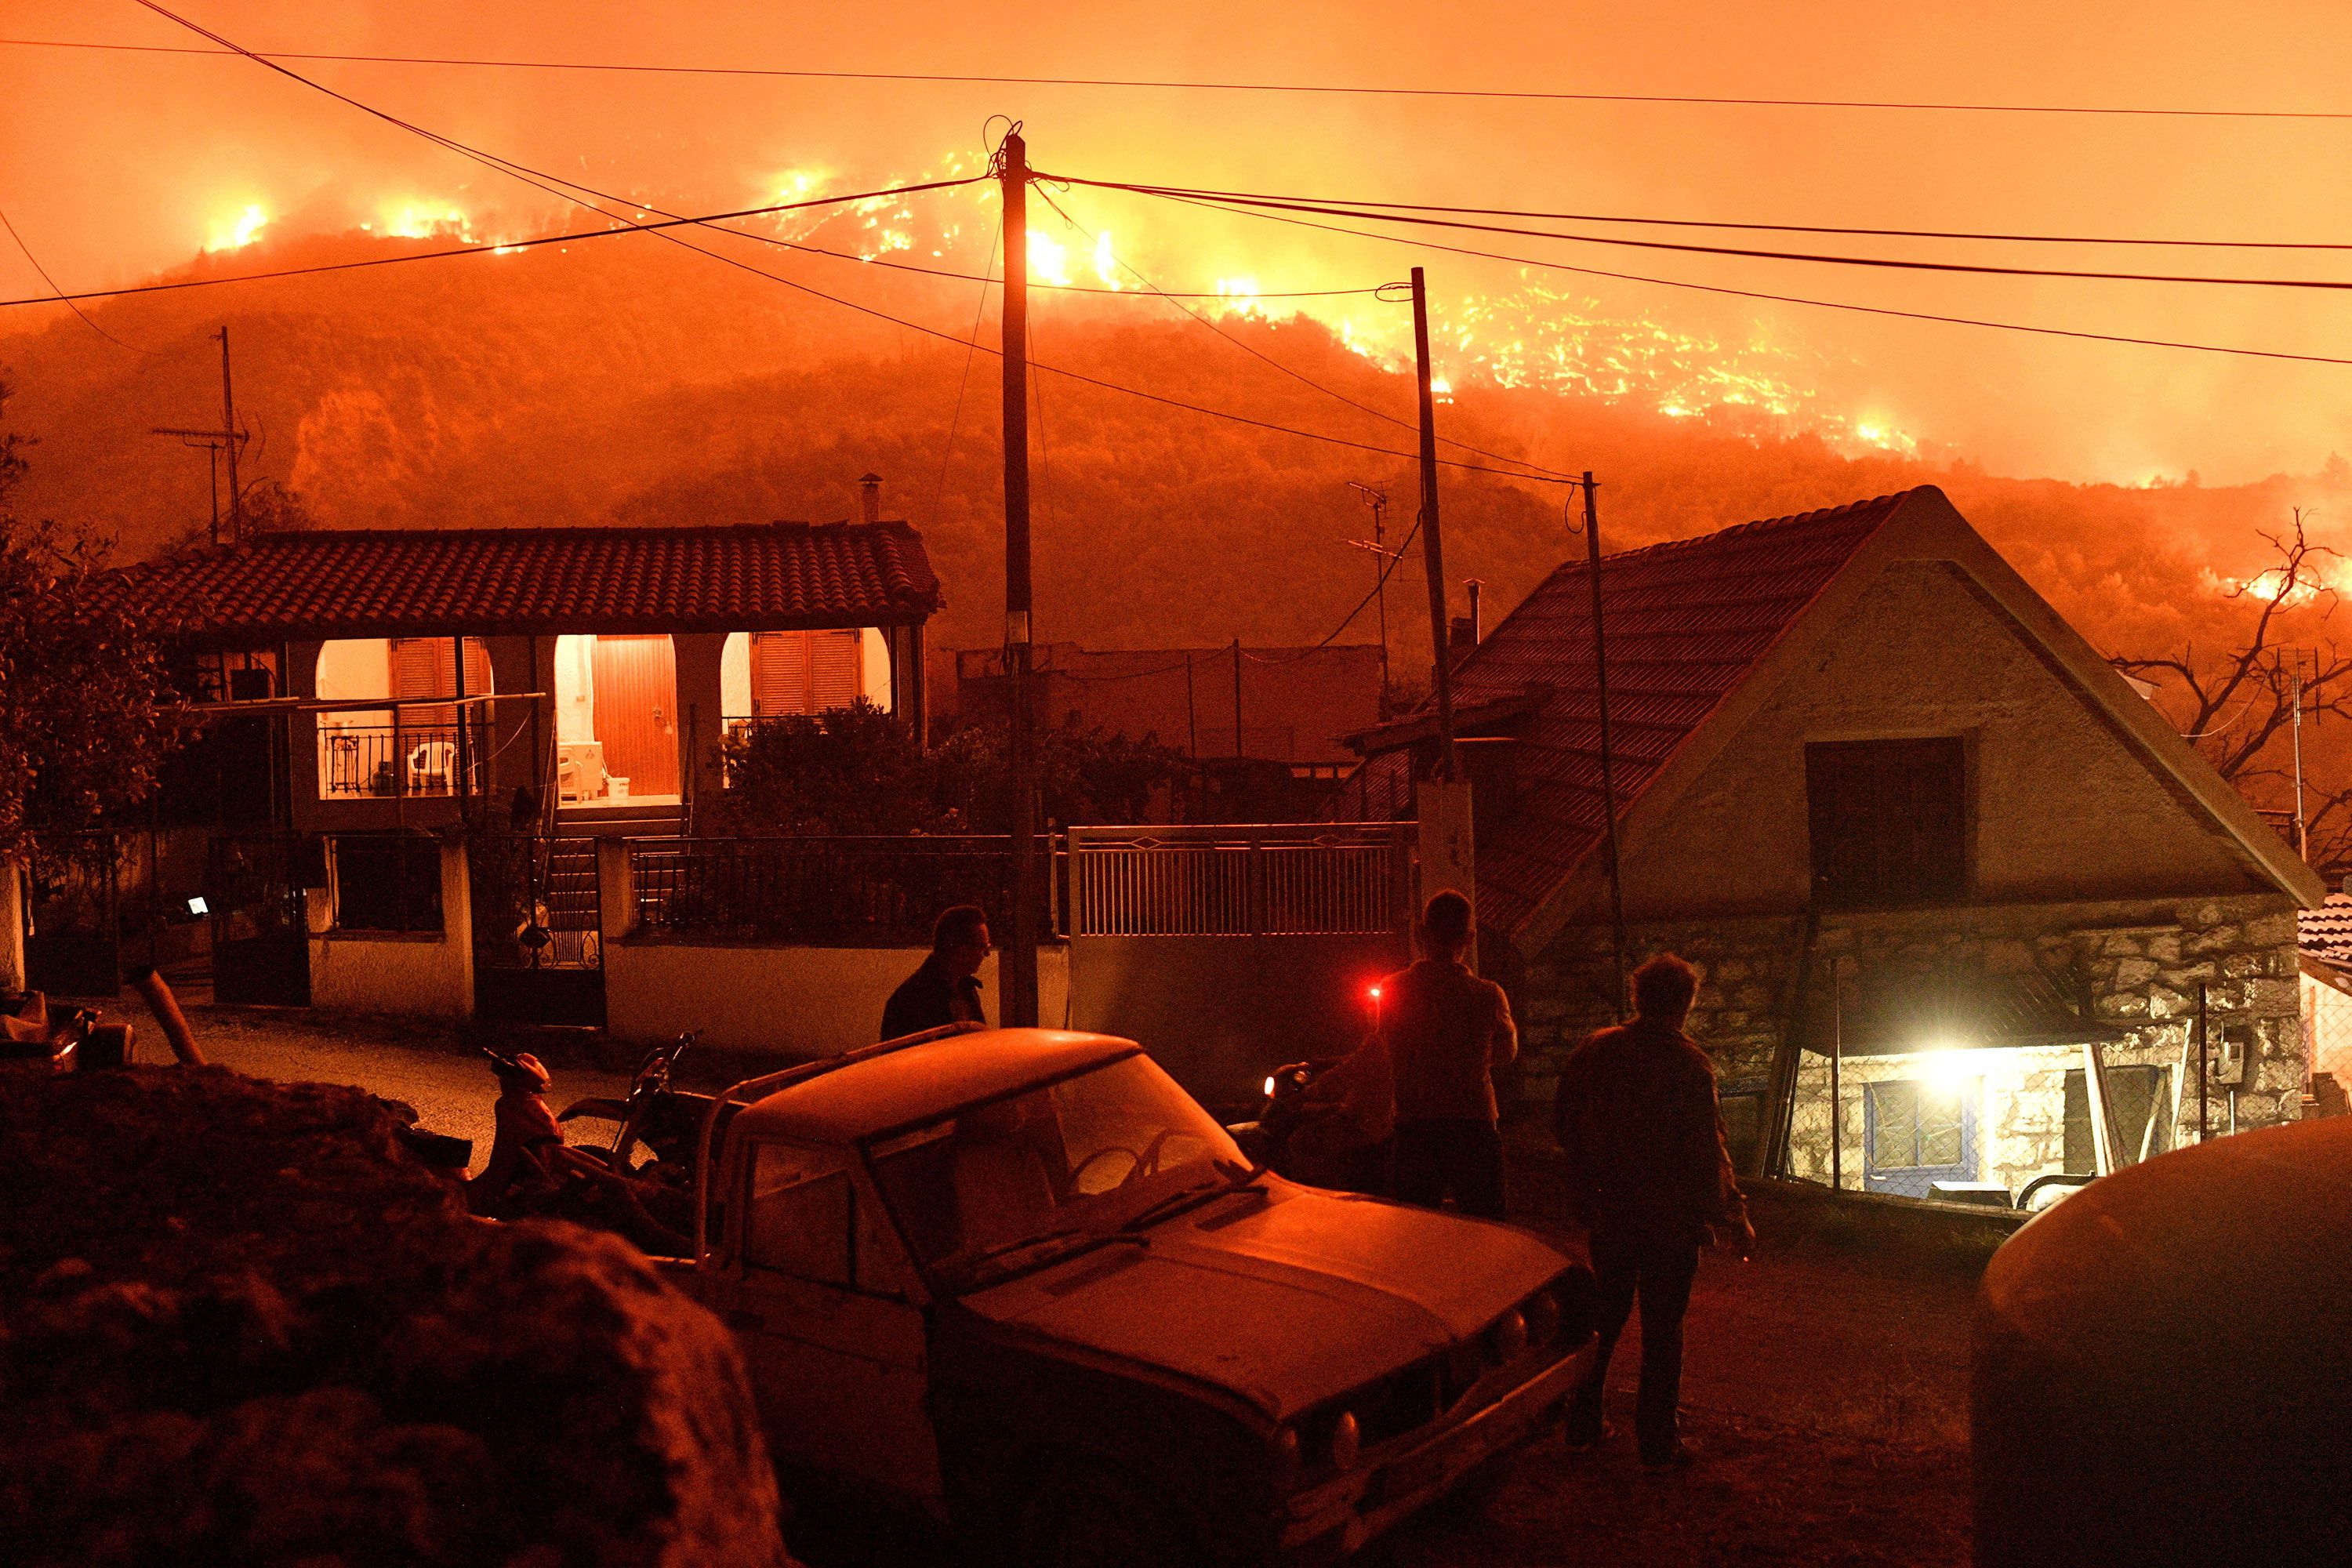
(1686, 621)
(419, 582)
(1690, 624)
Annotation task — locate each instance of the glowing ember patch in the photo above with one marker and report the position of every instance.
(1049, 259)
(421, 220)
(236, 232)
(800, 185)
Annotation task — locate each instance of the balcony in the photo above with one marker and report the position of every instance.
(388, 761)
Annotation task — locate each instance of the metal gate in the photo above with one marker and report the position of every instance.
(539, 955)
(1228, 951)
(73, 940)
(254, 893)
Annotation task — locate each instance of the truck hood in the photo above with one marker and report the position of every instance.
(1286, 1300)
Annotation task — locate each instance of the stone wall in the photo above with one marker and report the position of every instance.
(2140, 960)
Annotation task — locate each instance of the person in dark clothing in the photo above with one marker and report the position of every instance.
(1443, 1033)
(1649, 1178)
(946, 988)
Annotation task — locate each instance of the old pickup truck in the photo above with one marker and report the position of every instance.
(1020, 1281)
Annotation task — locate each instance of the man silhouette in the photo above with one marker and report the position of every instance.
(1444, 1032)
(945, 988)
(1649, 1177)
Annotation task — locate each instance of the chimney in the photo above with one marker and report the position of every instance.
(1477, 626)
(869, 497)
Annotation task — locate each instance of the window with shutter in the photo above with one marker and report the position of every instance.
(834, 669)
(805, 672)
(1888, 821)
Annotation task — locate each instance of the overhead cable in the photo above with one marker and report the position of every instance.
(551, 182)
(1750, 253)
(1726, 289)
(1341, 90)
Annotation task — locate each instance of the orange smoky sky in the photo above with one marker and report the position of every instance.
(118, 167)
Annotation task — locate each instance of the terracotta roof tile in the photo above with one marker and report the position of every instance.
(1686, 621)
(394, 582)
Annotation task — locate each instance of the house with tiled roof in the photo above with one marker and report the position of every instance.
(371, 697)
(1955, 887)
(599, 668)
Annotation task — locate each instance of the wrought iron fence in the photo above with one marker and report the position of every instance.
(819, 891)
(400, 760)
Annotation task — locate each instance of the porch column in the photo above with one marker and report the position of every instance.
(301, 678)
(12, 926)
(510, 763)
(457, 915)
(702, 713)
(616, 891)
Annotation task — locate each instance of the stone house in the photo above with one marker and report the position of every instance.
(1955, 887)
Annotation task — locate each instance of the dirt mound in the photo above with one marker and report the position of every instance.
(238, 1324)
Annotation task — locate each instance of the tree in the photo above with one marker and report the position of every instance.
(858, 770)
(2239, 708)
(86, 713)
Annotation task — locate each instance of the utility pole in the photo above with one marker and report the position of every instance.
(1017, 973)
(228, 423)
(227, 439)
(1237, 701)
(1608, 759)
(1378, 499)
(2302, 831)
(1433, 548)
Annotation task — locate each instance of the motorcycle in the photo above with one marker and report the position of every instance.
(654, 1118)
(1309, 1136)
(62, 1041)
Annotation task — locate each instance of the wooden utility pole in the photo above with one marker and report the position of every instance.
(228, 423)
(1608, 755)
(1433, 547)
(1017, 973)
(1237, 699)
(215, 442)
(1378, 499)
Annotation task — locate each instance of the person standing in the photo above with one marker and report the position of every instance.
(1649, 1177)
(1445, 1033)
(945, 989)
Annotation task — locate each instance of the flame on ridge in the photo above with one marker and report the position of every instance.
(235, 232)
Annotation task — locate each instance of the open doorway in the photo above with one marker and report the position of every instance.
(616, 720)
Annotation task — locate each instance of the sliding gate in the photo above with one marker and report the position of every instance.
(1228, 951)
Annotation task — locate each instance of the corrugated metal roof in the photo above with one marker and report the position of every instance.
(394, 582)
(1686, 621)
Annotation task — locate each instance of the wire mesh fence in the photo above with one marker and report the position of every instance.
(2001, 1127)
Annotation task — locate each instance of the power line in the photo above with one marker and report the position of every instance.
(59, 294)
(551, 182)
(1343, 90)
(484, 247)
(1387, 570)
(1749, 253)
(1297, 375)
(1726, 289)
(1980, 235)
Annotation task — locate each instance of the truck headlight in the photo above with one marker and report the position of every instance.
(1347, 1439)
(1507, 1337)
(1286, 1447)
(1543, 1317)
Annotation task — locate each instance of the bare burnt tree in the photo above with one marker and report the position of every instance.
(2239, 707)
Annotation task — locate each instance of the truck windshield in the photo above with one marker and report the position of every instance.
(1015, 1182)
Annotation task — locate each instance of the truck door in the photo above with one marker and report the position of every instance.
(836, 1347)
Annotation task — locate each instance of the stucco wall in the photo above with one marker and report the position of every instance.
(428, 974)
(2060, 806)
(791, 1001)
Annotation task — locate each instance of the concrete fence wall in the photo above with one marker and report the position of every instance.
(792, 1002)
(422, 974)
